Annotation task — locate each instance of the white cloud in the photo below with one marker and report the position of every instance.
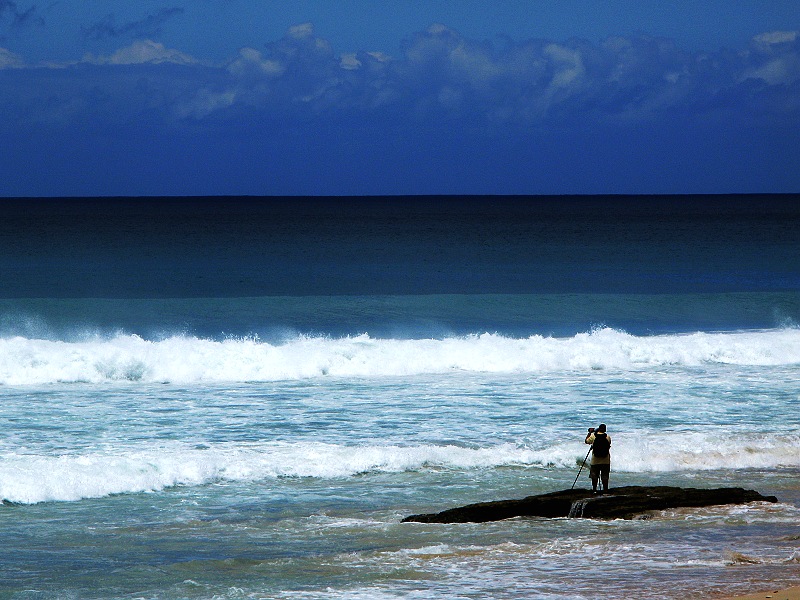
(204, 103)
(380, 56)
(774, 58)
(569, 69)
(781, 71)
(143, 52)
(350, 62)
(9, 60)
(776, 37)
(302, 31)
(251, 62)
(475, 65)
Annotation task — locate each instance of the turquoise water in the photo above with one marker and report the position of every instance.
(246, 446)
(297, 488)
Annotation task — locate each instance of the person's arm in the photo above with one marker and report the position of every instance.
(589, 436)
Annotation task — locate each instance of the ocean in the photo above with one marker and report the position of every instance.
(243, 397)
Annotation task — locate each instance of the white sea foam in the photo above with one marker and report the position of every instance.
(25, 361)
(27, 478)
(34, 478)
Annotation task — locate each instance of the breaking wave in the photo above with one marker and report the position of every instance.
(183, 359)
(30, 478)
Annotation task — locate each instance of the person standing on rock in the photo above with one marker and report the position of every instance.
(601, 456)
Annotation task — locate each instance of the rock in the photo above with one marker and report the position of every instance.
(616, 503)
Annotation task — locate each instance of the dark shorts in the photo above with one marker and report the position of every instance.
(600, 471)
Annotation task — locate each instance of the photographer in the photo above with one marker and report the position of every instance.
(601, 456)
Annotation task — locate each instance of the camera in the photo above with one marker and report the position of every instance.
(591, 429)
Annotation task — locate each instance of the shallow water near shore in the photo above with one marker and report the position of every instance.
(297, 489)
(268, 446)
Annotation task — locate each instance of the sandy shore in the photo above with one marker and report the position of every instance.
(792, 593)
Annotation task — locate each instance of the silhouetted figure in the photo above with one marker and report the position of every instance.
(601, 455)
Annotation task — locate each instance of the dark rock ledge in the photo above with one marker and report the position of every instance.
(617, 503)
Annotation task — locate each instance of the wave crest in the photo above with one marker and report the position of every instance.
(28, 479)
(183, 359)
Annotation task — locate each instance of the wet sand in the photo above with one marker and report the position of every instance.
(792, 593)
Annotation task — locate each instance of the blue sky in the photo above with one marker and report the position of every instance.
(215, 97)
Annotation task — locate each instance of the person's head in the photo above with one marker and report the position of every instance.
(601, 428)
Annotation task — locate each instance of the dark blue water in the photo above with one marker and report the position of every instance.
(400, 266)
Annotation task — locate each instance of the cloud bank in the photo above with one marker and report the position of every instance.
(442, 86)
(441, 74)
